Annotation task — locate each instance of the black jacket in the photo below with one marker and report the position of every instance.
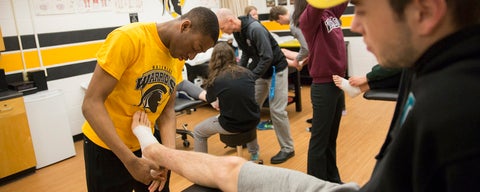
(434, 140)
(258, 44)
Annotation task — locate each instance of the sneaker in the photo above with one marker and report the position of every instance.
(254, 157)
(265, 125)
(184, 95)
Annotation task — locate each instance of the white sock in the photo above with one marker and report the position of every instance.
(144, 136)
(350, 90)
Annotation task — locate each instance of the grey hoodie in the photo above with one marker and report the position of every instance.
(258, 44)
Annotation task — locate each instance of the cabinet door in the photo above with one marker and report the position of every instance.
(16, 149)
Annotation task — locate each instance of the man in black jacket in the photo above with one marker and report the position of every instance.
(262, 55)
(434, 139)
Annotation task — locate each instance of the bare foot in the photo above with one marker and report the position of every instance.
(142, 130)
(343, 84)
(337, 80)
(302, 63)
(140, 118)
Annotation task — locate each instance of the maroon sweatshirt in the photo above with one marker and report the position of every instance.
(325, 42)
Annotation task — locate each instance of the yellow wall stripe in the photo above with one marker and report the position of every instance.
(69, 54)
(346, 20)
(274, 26)
(31, 59)
(12, 61)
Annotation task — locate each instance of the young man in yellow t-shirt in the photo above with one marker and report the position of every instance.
(139, 66)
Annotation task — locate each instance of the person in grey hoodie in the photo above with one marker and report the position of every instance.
(262, 55)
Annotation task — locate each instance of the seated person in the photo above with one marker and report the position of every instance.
(234, 88)
(281, 15)
(378, 78)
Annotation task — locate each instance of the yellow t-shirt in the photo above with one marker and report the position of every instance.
(147, 75)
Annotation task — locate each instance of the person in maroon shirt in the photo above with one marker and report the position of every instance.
(323, 32)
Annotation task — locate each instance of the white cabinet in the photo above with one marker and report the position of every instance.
(49, 126)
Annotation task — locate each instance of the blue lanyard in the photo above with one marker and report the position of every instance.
(272, 84)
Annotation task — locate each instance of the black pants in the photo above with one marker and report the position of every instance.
(105, 172)
(328, 102)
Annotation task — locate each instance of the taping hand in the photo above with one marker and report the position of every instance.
(160, 177)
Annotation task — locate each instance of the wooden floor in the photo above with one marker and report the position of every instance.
(361, 134)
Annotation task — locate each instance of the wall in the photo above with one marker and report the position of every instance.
(73, 98)
(65, 44)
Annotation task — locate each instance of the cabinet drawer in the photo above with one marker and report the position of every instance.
(12, 107)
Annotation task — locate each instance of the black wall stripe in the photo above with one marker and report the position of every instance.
(264, 17)
(349, 11)
(66, 71)
(60, 72)
(60, 38)
(349, 33)
(283, 33)
(53, 39)
(11, 43)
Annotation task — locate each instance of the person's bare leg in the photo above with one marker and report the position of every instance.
(359, 81)
(289, 54)
(292, 59)
(290, 63)
(203, 95)
(200, 168)
(364, 87)
(343, 84)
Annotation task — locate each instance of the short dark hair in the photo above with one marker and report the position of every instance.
(276, 11)
(464, 12)
(205, 21)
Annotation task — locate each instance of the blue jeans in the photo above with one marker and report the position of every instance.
(327, 102)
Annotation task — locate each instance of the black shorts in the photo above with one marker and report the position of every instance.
(105, 172)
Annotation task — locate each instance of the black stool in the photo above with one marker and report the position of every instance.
(238, 140)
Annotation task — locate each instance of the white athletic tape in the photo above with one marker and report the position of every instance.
(144, 136)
